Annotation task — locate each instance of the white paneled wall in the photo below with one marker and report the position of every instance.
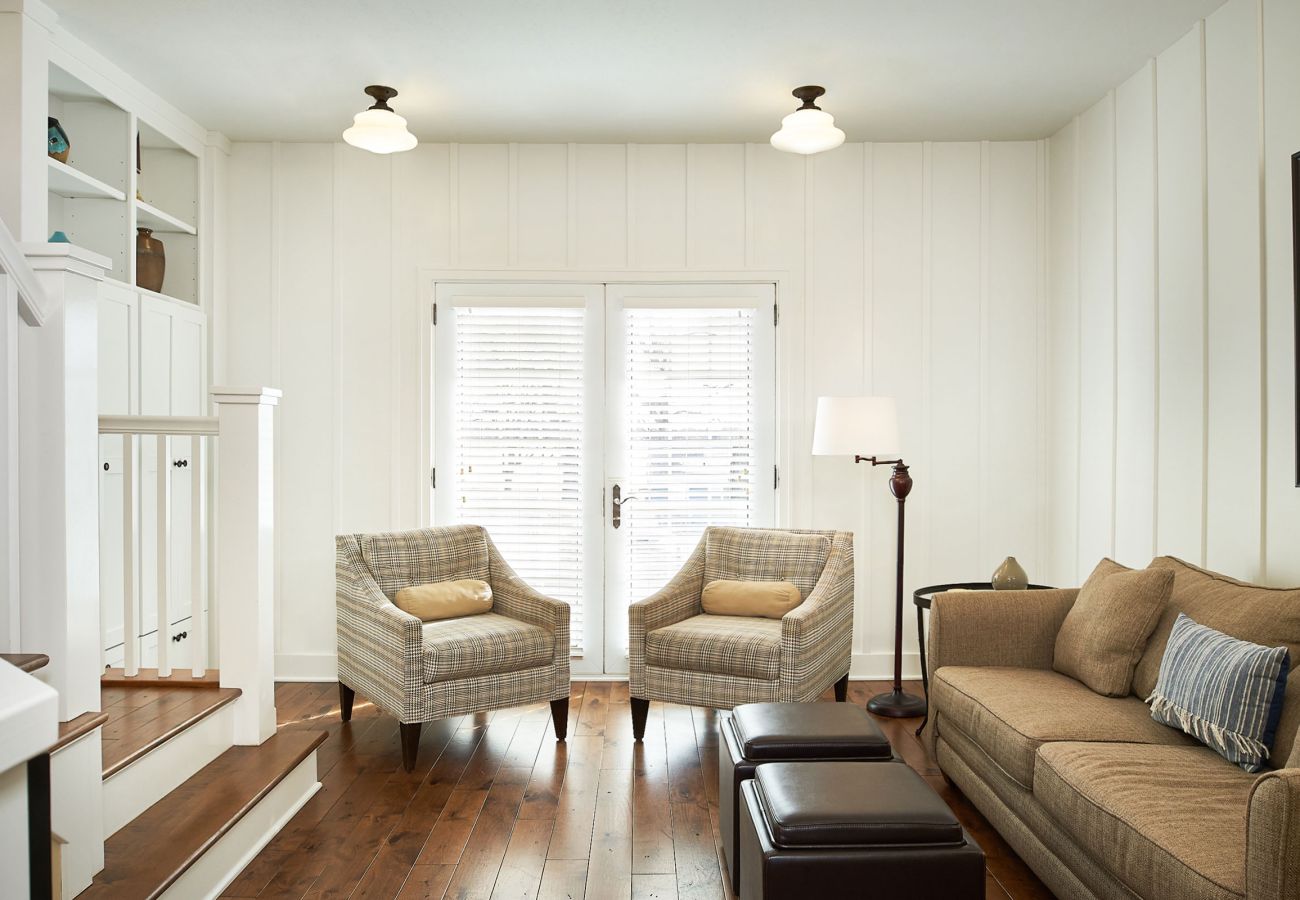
(1172, 374)
(911, 269)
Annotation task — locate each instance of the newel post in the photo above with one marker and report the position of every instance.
(245, 551)
(58, 458)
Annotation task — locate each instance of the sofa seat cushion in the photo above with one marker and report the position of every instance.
(486, 644)
(1168, 821)
(1010, 713)
(719, 645)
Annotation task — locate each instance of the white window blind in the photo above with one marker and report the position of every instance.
(691, 390)
(517, 420)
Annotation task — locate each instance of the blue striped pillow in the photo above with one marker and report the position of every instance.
(1224, 692)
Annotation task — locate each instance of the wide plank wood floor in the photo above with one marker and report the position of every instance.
(496, 809)
(144, 716)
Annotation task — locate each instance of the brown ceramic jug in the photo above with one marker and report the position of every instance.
(150, 261)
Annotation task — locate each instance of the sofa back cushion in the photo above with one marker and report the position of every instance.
(402, 559)
(1247, 612)
(757, 554)
(1106, 631)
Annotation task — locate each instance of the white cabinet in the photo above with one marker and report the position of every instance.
(153, 360)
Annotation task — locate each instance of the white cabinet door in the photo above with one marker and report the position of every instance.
(118, 385)
(172, 366)
(155, 400)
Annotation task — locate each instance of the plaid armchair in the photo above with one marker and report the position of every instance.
(679, 654)
(420, 671)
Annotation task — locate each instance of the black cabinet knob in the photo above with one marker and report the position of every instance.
(180, 636)
(180, 463)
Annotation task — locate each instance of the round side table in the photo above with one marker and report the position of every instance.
(921, 599)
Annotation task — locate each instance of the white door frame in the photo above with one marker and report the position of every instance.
(791, 453)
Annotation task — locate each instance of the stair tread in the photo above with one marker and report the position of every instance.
(146, 856)
(145, 717)
(79, 727)
(28, 662)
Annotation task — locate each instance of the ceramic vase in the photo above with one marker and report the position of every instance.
(150, 261)
(59, 145)
(1010, 576)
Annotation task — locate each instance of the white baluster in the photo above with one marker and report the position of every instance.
(198, 522)
(163, 635)
(130, 522)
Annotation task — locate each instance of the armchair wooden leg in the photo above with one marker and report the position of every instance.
(842, 689)
(410, 744)
(346, 695)
(560, 717)
(640, 709)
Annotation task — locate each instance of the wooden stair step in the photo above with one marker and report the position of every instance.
(148, 855)
(134, 729)
(28, 662)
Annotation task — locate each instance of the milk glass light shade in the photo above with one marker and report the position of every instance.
(856, 426)
(379, 129)
(808, 129)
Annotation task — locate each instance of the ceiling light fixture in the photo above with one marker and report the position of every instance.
(808, 129)
(379, 129)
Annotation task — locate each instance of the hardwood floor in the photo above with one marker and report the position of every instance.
(496, 809)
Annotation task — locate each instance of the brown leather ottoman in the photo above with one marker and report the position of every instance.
(781, 732)
(850, 829)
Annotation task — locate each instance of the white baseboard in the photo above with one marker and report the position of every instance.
(225, 859)
(324, 667)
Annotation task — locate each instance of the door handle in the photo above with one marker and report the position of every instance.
(616, 501)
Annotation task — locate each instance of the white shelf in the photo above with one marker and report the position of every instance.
(153, 218)
(77, 185)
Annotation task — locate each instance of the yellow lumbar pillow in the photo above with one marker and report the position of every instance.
(445, 599)
(766, 599)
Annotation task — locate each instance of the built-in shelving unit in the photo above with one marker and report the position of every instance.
(123, 172)
(72, 184)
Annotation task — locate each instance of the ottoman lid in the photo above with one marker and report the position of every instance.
(808, 731)
(852, 804)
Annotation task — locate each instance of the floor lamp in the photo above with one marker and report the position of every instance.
(854, 426)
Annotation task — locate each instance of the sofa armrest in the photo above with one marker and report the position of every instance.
(675, 601)
(996, 628)
(1273, 837)
(817, 635)
(380, 647)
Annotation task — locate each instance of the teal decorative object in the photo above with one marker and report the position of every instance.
(59, 238)
(58, 140)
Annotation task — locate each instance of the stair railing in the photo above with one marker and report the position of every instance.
(239, 445)
(164, 431)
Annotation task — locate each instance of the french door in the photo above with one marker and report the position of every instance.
(595, 430)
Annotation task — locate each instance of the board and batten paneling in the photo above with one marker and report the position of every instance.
(912, 269)
(1185, 371)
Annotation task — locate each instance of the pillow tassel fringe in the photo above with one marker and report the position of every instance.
(1207, 732)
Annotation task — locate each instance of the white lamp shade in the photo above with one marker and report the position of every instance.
(808, 131)
(856, 426)
(379, 131)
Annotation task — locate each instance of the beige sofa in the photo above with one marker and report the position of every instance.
(1099, 799)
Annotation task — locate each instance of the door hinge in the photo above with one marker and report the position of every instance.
(433, 478)
(776, 477)
(776, 315)
(435, 314)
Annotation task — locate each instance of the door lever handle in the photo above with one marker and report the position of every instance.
(616, 501)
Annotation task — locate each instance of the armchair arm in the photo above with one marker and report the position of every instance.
(379, 647)
(514, 597)
(817, 635)
(1273, 836)
(677, 600)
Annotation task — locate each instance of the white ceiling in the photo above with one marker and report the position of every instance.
(632, 70)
